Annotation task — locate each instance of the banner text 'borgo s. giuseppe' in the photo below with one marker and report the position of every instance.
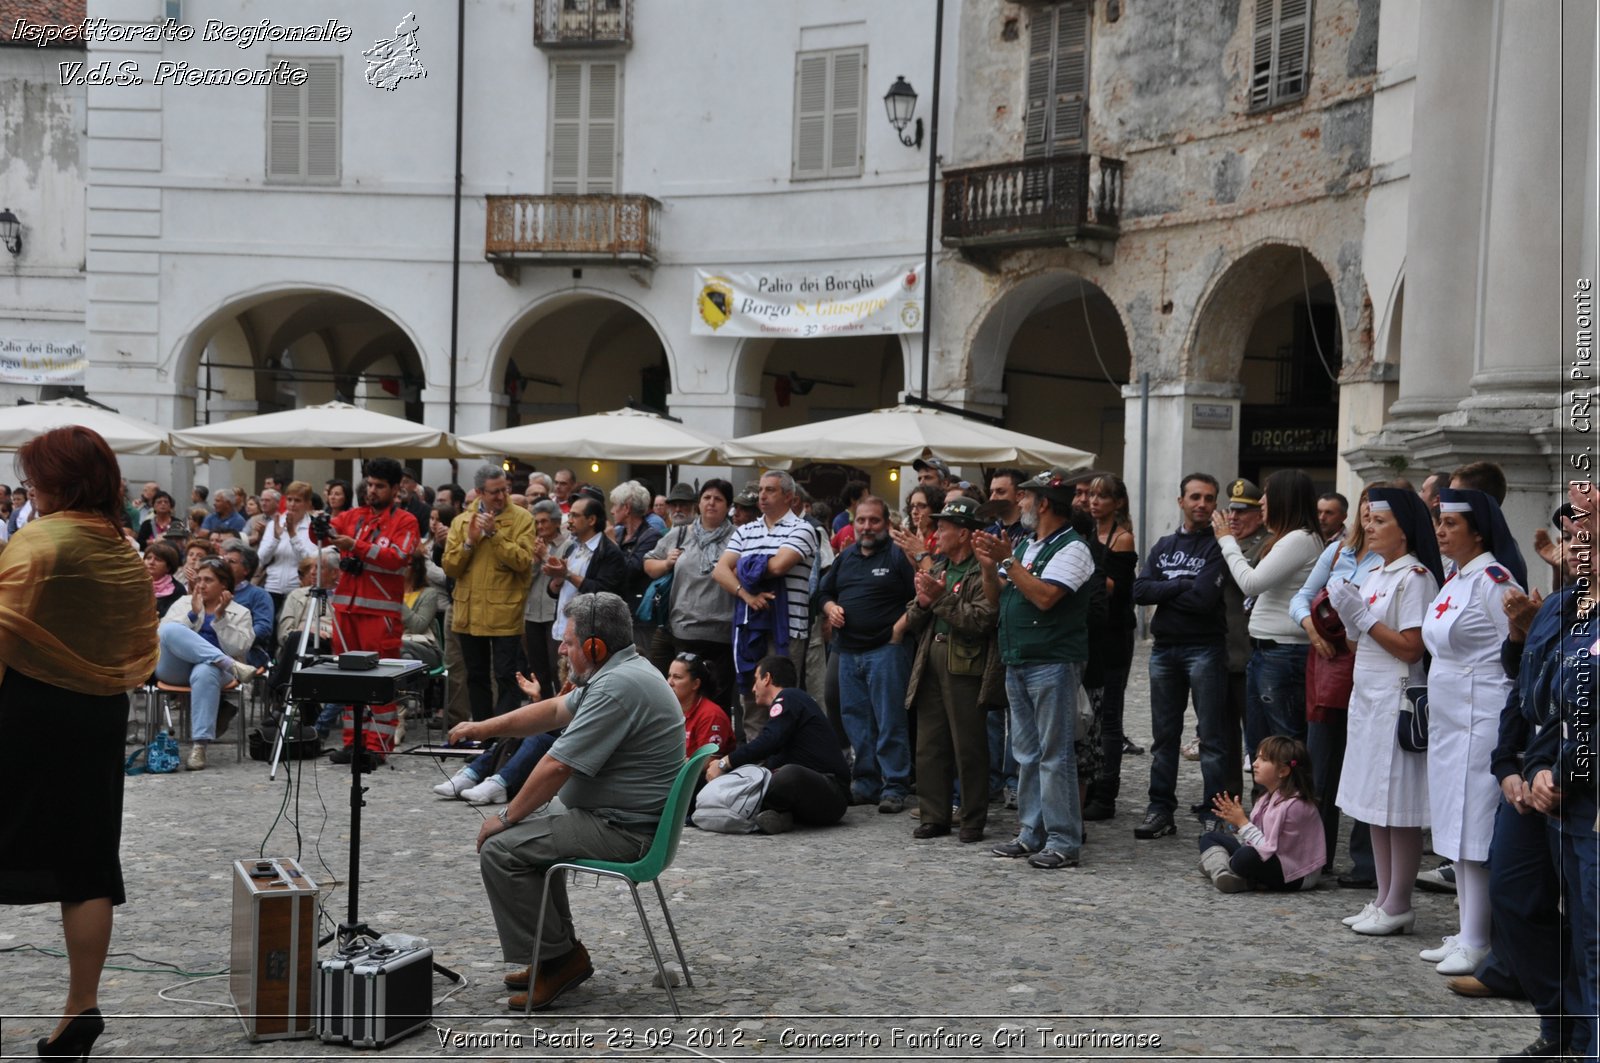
(833, 299)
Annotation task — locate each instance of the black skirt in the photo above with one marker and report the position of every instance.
(61, 818)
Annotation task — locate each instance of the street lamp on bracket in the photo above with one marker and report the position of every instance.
(901, 103)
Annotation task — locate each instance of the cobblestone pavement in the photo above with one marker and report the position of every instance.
(807, 945)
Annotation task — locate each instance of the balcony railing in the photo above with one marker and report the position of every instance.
(1033, 202)
(588, 228)
(583, 23)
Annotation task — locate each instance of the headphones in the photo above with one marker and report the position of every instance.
(596, 650)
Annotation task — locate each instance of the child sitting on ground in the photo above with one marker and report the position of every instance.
(1281, 846)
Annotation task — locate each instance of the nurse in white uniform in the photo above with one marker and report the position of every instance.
(1467, 688)
(1381, 784)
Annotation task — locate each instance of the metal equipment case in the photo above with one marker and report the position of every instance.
(372, 996)
(274, 948)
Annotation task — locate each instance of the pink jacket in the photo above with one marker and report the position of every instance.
(1291, 830)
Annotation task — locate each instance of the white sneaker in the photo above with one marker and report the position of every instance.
(1360, 917)
(1381, 924)
(1191, 749)
(1463, 960)
(1435, 955)
(453, 786)
(488, 792)
(197, 757)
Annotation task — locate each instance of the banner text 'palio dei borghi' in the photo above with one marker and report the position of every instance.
(835, 299)
(29, 361)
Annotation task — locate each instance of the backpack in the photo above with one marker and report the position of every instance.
(728, 804)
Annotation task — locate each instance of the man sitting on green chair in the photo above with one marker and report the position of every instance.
(597, 794)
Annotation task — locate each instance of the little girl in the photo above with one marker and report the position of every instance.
(1282, 845)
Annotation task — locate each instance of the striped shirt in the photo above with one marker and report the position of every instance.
(757, 540)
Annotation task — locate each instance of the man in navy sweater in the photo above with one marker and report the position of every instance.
(810, 780)
(1183, 578)
(863, 595)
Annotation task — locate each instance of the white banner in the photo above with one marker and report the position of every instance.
(42, 361)
(838, 299)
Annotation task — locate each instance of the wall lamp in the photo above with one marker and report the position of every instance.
(901, 103)
(10, 231)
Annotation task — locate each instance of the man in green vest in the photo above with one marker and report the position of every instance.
(1041, 589)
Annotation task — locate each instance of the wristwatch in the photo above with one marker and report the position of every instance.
(1005, 567)
(724, 765)
(501, 816)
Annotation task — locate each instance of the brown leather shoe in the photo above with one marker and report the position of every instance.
(517, 979)
(1468, 986)
(555, 978)
(971, 834)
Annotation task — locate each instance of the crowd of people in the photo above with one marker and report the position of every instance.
(1391, 665)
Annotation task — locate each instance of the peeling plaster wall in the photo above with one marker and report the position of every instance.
(41, 181)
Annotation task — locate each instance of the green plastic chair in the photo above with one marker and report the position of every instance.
(647, 868)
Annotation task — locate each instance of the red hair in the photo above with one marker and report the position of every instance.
(75, 467)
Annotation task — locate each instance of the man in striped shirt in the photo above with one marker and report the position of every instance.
(767, 567)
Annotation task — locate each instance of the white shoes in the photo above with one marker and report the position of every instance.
(1435, 955)
(197, 757)
(1464, 959)
(453, 786)
(1360, 917)
(1381, 924)
(488, 792)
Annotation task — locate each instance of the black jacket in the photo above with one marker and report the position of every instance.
(1183, 578)
(608, 571)
(796, 733)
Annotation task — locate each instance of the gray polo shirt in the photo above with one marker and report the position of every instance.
(624, 744)
(699, 608)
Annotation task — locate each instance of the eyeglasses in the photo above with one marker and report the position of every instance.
(919, 505)
(686, 657)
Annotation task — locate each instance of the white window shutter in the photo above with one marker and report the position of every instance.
(844, 110)
(600, 153)
(811, 116)
(1293, 46)
(1262, 38)
(322, 119)
(283, 131)
(1070, 90)
(566, 128)
(1041, 40)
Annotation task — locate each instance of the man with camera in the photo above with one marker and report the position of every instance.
(375, 543)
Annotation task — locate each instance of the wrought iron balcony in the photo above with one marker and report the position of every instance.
(602, 229)
(1062, 199)
(583, 23)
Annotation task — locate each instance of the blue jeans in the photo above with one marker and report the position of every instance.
(872, 706)
(1580, 884)
(518, 766)
(1044, 721)
(1275, 694)
(1176, 671)
(1002, 765)
(189, 660)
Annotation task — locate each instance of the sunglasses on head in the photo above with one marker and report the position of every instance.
(686, 657)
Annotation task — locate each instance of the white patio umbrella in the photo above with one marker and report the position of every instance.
(899, 435)
(616, 435)
(332, 429)
(125, 435)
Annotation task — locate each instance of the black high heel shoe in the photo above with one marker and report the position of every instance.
(77, 1039)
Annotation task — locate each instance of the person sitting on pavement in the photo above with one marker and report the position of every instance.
(205, 639)
(613, 768)
(494, 776)
(957, 671)
(704, 721)
(810, 782)
(1279, 846)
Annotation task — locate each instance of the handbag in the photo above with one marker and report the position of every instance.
(655, 601)
(1411, 727)
(160, 757)
(1328, 682)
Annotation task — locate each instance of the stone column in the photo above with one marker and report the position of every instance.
(1520, 305)
(1180, 440)
(1444, 220)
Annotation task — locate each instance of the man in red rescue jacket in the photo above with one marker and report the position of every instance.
(375, 543)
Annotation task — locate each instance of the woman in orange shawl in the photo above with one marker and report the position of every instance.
(77, 632)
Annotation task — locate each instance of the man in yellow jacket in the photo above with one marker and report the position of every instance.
(489, 553)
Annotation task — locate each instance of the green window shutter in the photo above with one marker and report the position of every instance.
(1070, 89)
